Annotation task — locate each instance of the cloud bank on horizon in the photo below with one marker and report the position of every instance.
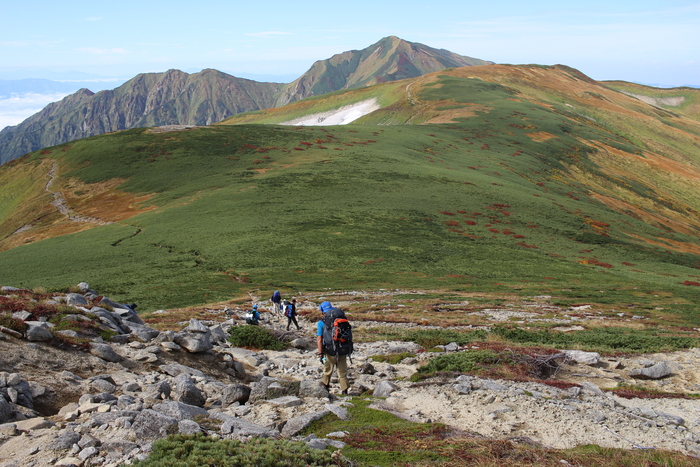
(642, 41)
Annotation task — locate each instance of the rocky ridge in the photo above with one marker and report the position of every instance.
(105, 407)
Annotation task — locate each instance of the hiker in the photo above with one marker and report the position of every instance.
(276, 300)
(290, 311)
(253, 316)
(334, 343)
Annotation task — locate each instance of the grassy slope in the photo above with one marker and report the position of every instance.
(483, 203)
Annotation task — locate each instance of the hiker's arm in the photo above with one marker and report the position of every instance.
(319, 344)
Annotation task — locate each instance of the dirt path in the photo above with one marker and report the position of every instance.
(62, 206)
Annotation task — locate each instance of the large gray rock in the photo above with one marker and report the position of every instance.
(180, 410)
(65, 440)
(197, 326)
(312, 388)
(235, 393)
(140, 331)
(260, 390)
(38, 334)
(176, 369)
(195, 342)
(296, 424)
(160, 389)
(384, 389)
(186, 391)
(110, 417)
(584, 358)
(218, 335)
(151, 425)
(188, 427)
(340, 412)
(246, 356)
(6, 412)
(658, 371)
(238, 427)
(105, 352)
(75, 299)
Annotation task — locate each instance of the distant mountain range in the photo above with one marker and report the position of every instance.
(176, 97)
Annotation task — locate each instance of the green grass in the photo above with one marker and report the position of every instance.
(472, 206)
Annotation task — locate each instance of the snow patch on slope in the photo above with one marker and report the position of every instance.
(341, 116)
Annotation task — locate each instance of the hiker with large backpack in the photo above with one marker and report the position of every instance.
(276, 300)
(290, 311)
(334, 342)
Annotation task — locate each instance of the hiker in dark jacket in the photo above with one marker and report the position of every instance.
(331, 361)
(276, 300)
(290, 311)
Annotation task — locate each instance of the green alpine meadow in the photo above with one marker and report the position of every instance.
(524, 180)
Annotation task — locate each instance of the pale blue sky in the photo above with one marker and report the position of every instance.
(652, 42)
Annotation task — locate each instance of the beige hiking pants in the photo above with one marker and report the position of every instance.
(341, 361)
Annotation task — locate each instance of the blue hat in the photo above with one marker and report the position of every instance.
(325, 306)
(255, 307)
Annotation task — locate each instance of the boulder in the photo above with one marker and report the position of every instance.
(38, 334)
(286, 401)
(186, 391)
(366, 369)
(180, 410)
(176, 369)
(188, 427)
(141, 332)
(384, 389)
(657, 371)
(583, 358)
(104, 351)
(75, 299)
(195, 342)
(197, 326)
(235, 393)
(6, 412)
(238, 427)
(65, 440)
(218, 335)
(340, 412)
(312, 388)
(153, 425)
(296, 424)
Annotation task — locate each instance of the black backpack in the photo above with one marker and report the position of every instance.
(337, 333)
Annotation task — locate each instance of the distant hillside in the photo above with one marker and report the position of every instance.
(390, 59)
(175, 97)
(516, 180)
(683, 100)
(149, 99)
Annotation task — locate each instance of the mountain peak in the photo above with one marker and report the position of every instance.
(389, 59)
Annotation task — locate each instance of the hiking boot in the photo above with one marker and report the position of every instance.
(344, 392)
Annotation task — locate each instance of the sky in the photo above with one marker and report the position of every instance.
(649, 42)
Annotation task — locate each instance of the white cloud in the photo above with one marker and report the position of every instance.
(17, 108)
(98, 51)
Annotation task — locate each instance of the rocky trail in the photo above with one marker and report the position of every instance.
(105, 406)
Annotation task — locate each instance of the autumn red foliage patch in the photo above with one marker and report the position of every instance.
(470, 222)
(693, 283)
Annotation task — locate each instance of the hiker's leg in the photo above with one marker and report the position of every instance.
(328, 369)
(342, 362)
(289, 322)
(294, 320)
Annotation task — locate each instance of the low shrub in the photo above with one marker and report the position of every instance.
(255, 337)
(6, 320)
(201, 450)
(470, 361)
(394, 358)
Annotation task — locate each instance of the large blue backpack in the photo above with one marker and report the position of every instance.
(337, 333)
